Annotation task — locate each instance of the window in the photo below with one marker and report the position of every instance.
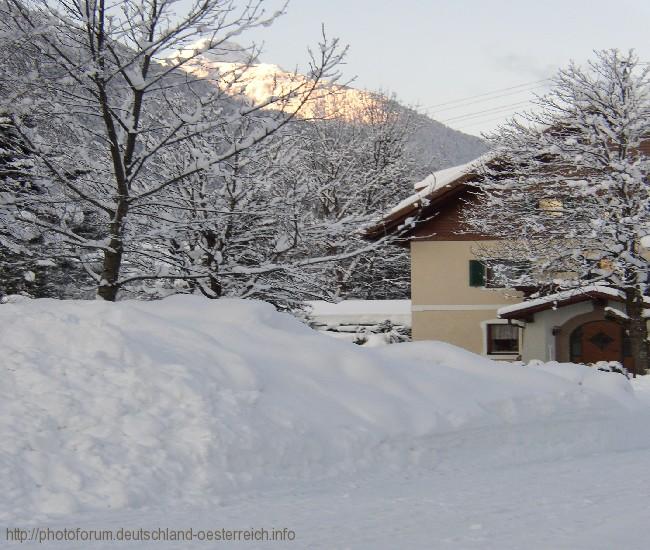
(627, 345)
(509, 271)
(606, 264)
(575, 345)
(476, 273)
(553, 207)
(492, 273)
(502, 339)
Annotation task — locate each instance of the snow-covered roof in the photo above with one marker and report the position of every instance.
(564, 297)
(443, 177)
(437, 180)
(429, 189)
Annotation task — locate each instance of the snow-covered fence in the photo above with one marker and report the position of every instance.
(364, 322)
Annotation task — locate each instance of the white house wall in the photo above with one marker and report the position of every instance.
(539, 340)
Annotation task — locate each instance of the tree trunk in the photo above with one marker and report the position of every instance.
(638, 330)
(108, 286)
(212, 265)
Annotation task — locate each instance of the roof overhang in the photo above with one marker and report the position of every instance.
(526, 310)
(402, 219)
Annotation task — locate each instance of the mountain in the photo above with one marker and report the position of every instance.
(443, 146)
(242, 74)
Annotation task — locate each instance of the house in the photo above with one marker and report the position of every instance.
(456, 299)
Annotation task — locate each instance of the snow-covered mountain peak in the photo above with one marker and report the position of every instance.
(234, 69)
(228, 52)
(260, 82)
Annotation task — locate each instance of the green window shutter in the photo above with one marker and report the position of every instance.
(476, 273)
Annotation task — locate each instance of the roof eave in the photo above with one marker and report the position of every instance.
(526, 313)
(391, 223)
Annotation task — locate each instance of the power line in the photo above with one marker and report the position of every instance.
(461, 105)
(489, 112)
(487, 93)
(477, 122)
(474, 114)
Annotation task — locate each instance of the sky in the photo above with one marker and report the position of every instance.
(432, 52)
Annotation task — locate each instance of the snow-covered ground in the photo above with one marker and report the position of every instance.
(189, 413)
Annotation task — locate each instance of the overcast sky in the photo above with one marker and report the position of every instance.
(430, 52)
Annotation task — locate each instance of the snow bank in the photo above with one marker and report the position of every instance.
(615, 384)
(182, 401)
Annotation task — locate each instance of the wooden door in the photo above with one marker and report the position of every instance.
(597, 341)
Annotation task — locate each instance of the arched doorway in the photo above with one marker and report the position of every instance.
(601, 340)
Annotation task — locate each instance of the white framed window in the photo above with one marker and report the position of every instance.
(502, 339)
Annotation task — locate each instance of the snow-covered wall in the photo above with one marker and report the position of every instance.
(361, 312)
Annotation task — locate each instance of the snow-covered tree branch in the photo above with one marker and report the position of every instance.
(568, 188)
(103, 95)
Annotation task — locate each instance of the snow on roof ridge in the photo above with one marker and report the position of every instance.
(559, 296)
(439, 177)
(438, 180)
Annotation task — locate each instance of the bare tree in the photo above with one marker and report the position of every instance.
(102, 100)
(354, 167)
(262, 224)
(236, 229)
(567, 189)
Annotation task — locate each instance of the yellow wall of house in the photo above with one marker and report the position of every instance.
(440, 275)
(460, 328)
(444, 306)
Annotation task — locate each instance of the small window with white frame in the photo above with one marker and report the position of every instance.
(502, 339)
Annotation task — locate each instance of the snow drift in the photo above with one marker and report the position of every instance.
(181, 401)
